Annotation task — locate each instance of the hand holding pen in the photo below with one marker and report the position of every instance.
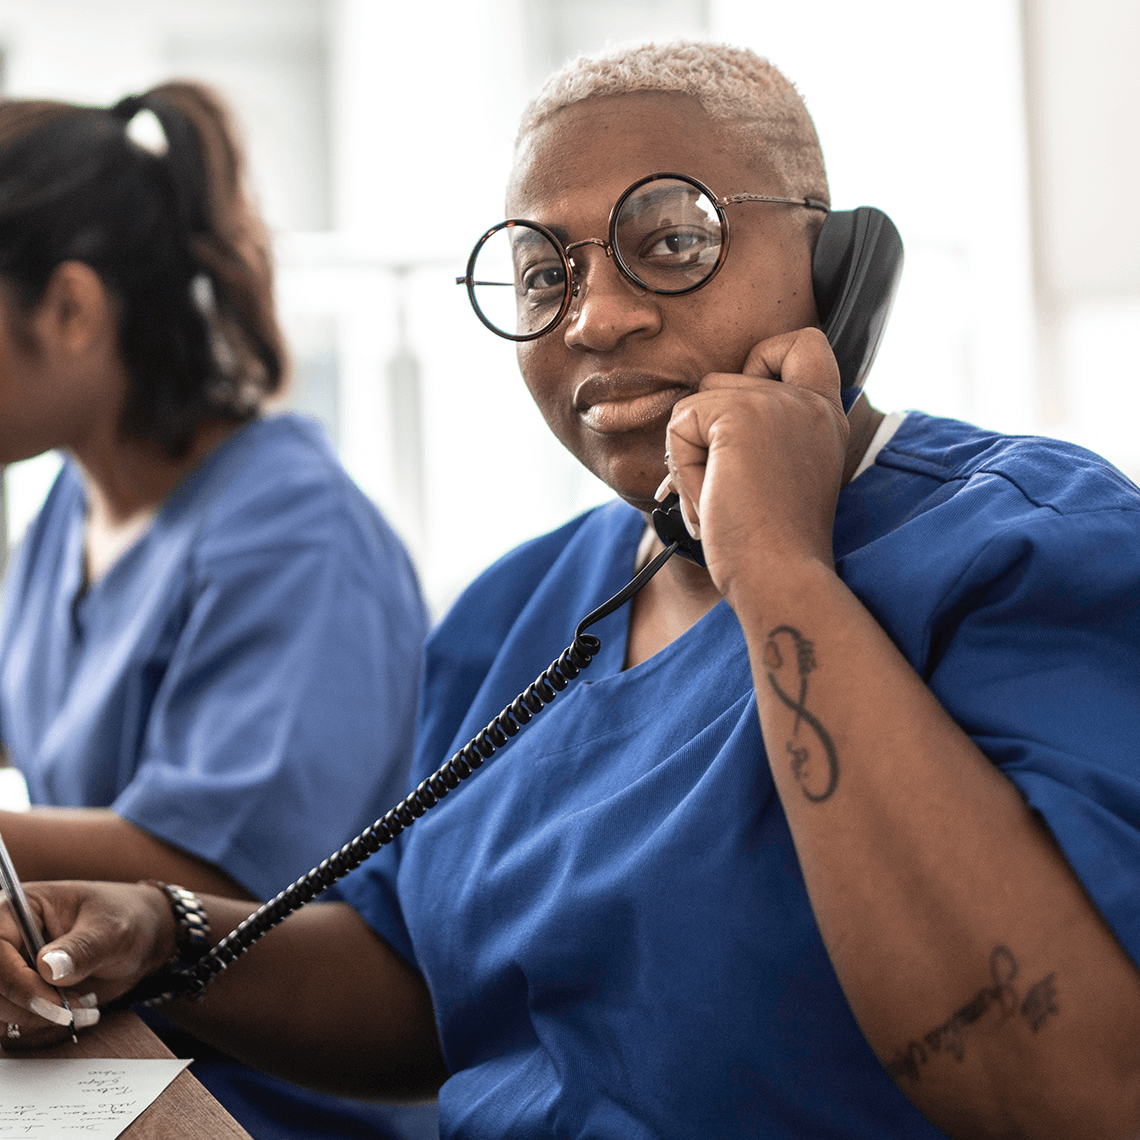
(33, 944)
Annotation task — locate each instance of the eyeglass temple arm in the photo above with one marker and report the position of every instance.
(810, 203)
(732, 199)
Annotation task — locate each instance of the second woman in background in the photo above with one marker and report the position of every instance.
(210, 639)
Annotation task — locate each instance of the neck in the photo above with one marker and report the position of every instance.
(864, 420)
(127, 479)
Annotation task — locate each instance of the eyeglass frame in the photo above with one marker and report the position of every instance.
(611, 250)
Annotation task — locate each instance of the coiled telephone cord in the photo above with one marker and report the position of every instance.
(191, 983)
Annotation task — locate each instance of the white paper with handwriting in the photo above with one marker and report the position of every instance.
(95, 1099)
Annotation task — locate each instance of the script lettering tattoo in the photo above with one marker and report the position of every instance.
(1040, 1002)
(1038, 1006)
(816, 775)
(906, 1063)
(951, 1034)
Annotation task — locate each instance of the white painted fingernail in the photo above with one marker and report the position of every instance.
(665, 489)
(84, 1018)
(694, 528)
(88, 1001)
(60, 964)
(50, 1012)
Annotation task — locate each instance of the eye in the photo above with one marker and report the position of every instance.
(679, 247)
(538, 281)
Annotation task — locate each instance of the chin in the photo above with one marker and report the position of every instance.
(632, 473)
(635, 487)
(638, 493)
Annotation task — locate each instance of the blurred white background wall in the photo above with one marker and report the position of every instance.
(999, 134)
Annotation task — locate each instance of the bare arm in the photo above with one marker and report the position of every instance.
(321, 1000)
(977, 967)
(95, 843)
(980, 972)
(324, 1002)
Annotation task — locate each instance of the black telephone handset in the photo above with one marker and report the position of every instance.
(855, 272)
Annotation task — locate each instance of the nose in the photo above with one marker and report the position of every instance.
(607, 306)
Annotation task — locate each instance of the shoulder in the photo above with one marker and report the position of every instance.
(1048, 473)
(945, 488)
(517, 610)
(65, 499)
(57, 524)
(284, 460)
(276, 485)
(954, 525)
(504, 588)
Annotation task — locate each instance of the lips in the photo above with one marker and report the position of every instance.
(626, 401)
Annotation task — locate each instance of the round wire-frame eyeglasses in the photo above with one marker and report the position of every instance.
(668, 234)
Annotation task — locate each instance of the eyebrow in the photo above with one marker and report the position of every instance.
(561, 233)
(524, 235)
(528, 236)
(648, 200)
(650, 197)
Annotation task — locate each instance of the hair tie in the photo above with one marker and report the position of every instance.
(128, 107)
(141, 124)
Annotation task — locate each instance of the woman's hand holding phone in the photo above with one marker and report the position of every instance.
(758, 459)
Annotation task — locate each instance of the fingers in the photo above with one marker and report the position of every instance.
(67, 1017)
(757, 457)
(21, 983)
(101, 933)
(56, 962)
(103, 938)
(30, 1030)
(802, 358)
(31, 1013)
(686, 457)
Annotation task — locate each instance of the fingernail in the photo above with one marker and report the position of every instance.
(85, 1018)
(666, 488)
(694, 528)
(51, 1012)
(88, 1001)
(60, 964)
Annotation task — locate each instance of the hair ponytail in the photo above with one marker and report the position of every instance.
(174, 236)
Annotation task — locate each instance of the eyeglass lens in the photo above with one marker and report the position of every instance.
(519, 280)
(667, 237)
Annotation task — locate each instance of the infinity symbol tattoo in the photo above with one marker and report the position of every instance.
(801, 755)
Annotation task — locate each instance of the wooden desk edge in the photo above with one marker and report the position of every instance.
(184, 1111)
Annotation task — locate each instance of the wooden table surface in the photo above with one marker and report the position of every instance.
(184, 1111)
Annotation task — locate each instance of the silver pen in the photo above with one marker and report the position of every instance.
(29, 928)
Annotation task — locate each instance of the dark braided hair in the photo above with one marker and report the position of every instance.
(173, 236)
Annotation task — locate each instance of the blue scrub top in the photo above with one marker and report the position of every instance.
(610, 914)
(241, 683)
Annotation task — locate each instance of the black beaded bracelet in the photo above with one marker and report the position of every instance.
(191, 942)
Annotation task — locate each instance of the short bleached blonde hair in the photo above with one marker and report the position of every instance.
(735, 87)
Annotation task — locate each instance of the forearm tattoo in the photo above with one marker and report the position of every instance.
(814, 763)
(1037, 1007)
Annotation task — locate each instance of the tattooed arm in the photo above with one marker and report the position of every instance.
(987, 983)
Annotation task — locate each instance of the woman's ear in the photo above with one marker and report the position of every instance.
(76, 314)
